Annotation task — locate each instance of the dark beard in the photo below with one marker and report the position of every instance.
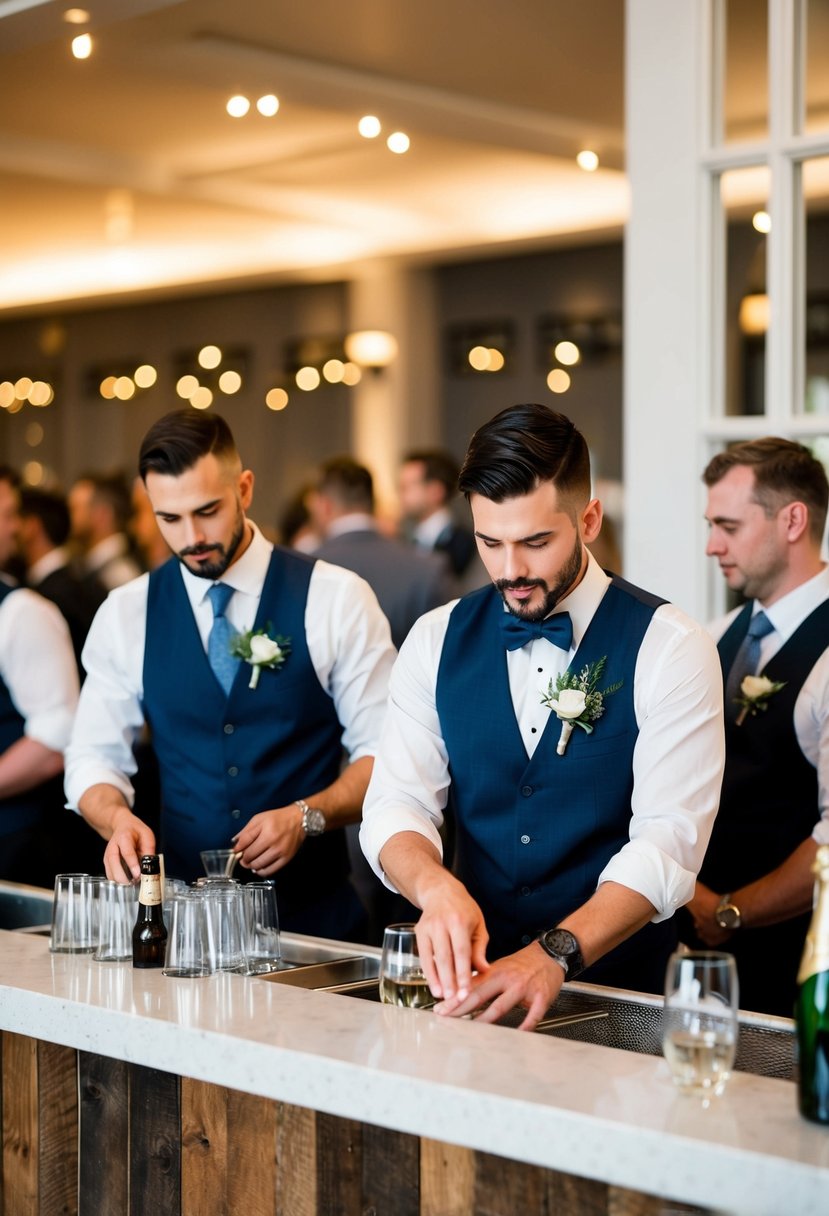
(224, 555)
(567, 577)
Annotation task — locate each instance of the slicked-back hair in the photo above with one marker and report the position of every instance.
(523, 446)
(784, 472)
(347, 483)
(180, 439)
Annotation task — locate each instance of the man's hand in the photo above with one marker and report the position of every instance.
(270, 839)
(451, 937)
(130, 840)
(529, 978)
(702, 908)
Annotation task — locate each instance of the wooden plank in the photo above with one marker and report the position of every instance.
(339, 1166)
(20, 1134)
(296, 1161)
(568, 1193)
(447, 1179)
(103, 1086)
(503, 1188)
(57, 1071)
(228, 1152)
(390, 1172)
(155, 1143)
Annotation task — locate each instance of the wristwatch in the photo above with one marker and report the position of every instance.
(727, 914)
(313, 821)
(561, 945)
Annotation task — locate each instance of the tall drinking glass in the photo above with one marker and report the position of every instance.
(261, 926)
(75, 914)
(402, 981)
(699, 1029)
(219, 863)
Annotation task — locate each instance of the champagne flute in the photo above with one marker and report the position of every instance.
(699, 1029)
(402, 981)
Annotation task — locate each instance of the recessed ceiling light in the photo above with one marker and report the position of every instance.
(268, 105)
(398, 142)
(82, 46)
(238, 106)
(369, 126)
(587, 160)
(76, 16)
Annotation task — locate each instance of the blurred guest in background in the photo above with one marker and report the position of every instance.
(406, 583)
(44, 533)
(38, 696)
(295, 528)
(427, 483)
(99, 508)
(143, 528)
(767, 503)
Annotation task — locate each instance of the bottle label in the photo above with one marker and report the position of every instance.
(816, 950)
(150, 893)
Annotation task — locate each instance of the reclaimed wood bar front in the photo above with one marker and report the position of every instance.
(129, 1092)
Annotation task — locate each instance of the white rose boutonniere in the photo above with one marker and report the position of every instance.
(576, 701)
(260, 650)
(755, 694)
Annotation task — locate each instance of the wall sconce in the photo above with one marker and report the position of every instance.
(754, 314)
(372, 348)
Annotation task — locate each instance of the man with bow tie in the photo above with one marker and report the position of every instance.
(571, 856)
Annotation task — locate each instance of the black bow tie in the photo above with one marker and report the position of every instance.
(517, 632)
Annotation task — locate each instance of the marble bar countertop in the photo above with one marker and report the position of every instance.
(593, 1111)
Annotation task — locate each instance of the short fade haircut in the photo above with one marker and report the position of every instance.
(180, 439)
(51, 510)
(347, 483)
(437, 466)
(784, 472)
(523, 446)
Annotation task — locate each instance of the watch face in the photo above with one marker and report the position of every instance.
(314, 822)
(728, 917)
(561, 941)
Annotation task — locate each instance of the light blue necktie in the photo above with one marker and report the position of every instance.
(746, 661)
(224, 664)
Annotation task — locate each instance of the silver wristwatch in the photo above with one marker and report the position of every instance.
(313, 821)
(727, 914)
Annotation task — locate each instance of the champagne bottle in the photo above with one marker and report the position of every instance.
(812, 1004)
(149, 937)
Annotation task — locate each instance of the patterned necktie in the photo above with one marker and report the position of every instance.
(746, 661)
(517, 632)
(224, 664)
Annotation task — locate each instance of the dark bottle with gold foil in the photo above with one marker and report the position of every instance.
(812, 1005)
(149, 937)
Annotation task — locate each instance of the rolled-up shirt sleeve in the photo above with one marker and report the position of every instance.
(409, 786)
(110, 713)
(38, 667)
(678, 762)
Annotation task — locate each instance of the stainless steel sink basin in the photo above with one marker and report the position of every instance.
(632, 1021)
(25, 907)
(335, 975)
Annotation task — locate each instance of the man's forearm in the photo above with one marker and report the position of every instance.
(342, 801)
(413, 864)
(611, 915)
(780, 895)
(102, 806)
(27, 764)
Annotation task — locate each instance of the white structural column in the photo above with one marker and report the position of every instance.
(397, 407)
(667, 314)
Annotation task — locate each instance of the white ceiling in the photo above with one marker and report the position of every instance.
(124, 174)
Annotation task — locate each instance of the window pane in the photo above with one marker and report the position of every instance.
(816, 203)
(743, 193)
(816, 86)
(745, 86)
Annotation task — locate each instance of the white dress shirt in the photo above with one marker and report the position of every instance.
(811, 709)
(37, 665)
(348, 642)
(677, 760)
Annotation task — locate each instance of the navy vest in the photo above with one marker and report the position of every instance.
(224, 759)
(26, 808)
(768, 806)
(533, 835)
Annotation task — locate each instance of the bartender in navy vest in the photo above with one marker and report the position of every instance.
(571, 853)
(767, 503)
(249, 748)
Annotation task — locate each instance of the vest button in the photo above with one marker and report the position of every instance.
(526, 790)
(235, 813)
(525, 839)
(233, 771)
(229, 728)
(526, 891)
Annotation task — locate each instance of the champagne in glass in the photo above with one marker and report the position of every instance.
(402, 981)
(699, 1029)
